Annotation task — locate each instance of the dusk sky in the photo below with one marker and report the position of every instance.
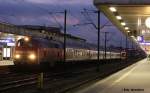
(37, 12)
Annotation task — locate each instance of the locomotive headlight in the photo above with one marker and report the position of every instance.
(32, 56)
(17, 56)
(26, 39)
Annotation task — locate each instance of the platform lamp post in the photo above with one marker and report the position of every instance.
(120, 47)
(41, 74)
(98, 40)
(40, 80)
(106, 45)
(110, 51)
(65, 30)
(98, 28)
(132, 42)
(127, 42)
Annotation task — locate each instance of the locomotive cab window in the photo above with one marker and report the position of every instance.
(22, 43)
(56, 45)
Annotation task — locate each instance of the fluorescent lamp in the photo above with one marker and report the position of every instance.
(119, 17)
(126, 28)
(123, 23)
(128, 31)
(113, 9)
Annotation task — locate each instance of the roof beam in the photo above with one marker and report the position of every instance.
(123, 2)
(12, 29)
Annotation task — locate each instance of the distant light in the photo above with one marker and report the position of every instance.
(43, 31)
(139, 21)
(147, 22)
(132, 36)
(123, 23)
(11, 34)
(119, 17)
(113, 9)
(145, 43)
(143, 32)
(5, 41)
(126, 28)
(128, 31)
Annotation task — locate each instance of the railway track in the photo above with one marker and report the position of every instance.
(16, 84)
(56, 82)
(30, 80)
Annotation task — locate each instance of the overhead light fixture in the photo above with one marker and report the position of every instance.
(139, 21)
(123, 23)
(147, 22)
(128, 31)
(126, 28)
(119, 17)
(113, 9)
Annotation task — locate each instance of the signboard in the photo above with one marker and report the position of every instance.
(140, 38)
(10, 44)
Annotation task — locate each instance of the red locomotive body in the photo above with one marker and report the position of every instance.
(37, 51)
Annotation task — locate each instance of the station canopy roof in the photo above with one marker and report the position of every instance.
(132, 17)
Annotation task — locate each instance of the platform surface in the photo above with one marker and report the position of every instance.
(133, 79)
(6, 63)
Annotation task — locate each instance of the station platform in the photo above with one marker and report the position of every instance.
(6, 63)
(133, 79)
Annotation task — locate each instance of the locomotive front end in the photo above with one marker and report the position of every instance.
(25, 52)
(25, 57)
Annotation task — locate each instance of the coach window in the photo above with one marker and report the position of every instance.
(70, 50)
(76, 52)
(56, 46)
(48, 44)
